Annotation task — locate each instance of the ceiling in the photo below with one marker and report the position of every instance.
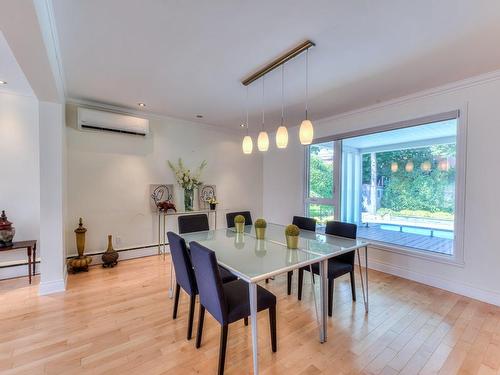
(11, 72)
(434, 132)
(184, 58)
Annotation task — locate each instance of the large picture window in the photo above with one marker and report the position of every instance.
(398, 184)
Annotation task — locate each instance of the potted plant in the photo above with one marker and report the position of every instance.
(260, 228)
(239, 223)
(187, 180)
(292, 236)
(213, 203)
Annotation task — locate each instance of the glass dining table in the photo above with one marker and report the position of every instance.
(254, 260)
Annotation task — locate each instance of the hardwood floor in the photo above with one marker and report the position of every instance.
(119, 321)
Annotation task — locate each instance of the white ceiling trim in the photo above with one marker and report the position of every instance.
(477, 80)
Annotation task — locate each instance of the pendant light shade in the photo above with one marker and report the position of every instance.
(306, 132)
(247, 145)
(263, 141)
(394, 167)
(282, 137)
(409, 166)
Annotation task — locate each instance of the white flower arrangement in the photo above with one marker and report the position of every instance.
(184, 177)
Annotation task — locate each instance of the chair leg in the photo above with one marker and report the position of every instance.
(176, 300)
(272, 323)
(353, 286)
(199, 334)
(301, 280)
(222, 348)
(330, 296)
(192, 302)
(245, 320)
(289, 282)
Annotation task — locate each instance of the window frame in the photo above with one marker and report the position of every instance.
(461, 115)
(335, 200)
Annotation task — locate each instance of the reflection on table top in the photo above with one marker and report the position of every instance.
(249, 258)
(254, 260)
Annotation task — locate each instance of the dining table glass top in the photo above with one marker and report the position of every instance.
(251, 259)
(318, 243)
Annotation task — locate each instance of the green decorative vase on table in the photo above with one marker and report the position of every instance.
(260, 229)
(239, 223)
(292, 236)
(188, 199)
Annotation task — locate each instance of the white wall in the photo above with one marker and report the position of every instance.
(20, 173)
(478, 278)
(109, 176)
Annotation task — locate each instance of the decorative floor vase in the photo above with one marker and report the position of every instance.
(110, 256)
(188, 199)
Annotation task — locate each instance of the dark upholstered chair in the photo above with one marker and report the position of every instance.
(184, 276)
(337, 266)
(305, 223)
(227, 303)
(193, 223)
(231, 215)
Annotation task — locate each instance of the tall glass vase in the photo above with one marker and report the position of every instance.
(188, 199)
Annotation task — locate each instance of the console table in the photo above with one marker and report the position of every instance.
(30, 247)
(162, 234)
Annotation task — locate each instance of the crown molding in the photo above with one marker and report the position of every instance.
(435, 91)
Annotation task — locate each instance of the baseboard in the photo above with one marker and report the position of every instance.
(49, 287)
(487, 296)
(125, 254)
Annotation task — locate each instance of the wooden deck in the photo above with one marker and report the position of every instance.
(428, 243)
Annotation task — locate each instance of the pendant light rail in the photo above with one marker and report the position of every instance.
(276, 63)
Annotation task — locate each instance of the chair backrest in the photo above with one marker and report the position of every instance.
(231, 215)
(193, 223)
(209, 281)
(183, 266)
(305, 223)
(348, 230)
(338, 228)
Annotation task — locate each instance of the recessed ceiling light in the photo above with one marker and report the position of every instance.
(141, 104)
(242, 125)
(199, 116)
(3, 82)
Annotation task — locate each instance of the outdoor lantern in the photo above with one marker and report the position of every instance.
(426, 166)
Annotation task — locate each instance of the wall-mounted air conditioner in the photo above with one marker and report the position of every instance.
(92, 119)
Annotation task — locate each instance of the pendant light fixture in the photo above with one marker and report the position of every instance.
(263, 138)
(282, 132)
(306, 131)
(247, 144)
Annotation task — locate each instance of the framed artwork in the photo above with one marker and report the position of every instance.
(160, 193)
(205, 193)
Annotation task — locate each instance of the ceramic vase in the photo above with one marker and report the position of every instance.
(7, 231)
(110, 256)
